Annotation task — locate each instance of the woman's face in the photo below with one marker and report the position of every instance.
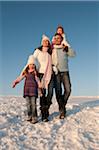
(59, 30)
(45, 43)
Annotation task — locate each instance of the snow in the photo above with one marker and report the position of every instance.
(78, 131)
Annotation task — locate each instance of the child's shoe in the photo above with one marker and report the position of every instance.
(29, 118)
(34, 120)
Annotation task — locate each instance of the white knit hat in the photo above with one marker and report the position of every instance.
(44, 37)
(31, 60)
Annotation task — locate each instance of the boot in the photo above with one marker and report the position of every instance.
(62, 111)
(62, 115)
(34, 120)
(45, 114)
(45, 120)
(29, 118)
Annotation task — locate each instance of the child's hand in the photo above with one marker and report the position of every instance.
(40, 93)
(40, 85)
(13, 84)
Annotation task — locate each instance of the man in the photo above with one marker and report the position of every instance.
(60, 55)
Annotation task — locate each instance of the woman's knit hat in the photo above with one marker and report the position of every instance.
(44, 37)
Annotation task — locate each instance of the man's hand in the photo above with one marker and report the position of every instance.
(65, 48)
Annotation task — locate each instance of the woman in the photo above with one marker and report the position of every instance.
(43, 57)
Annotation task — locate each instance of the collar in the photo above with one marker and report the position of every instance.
(58, 46)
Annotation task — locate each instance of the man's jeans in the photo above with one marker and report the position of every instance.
(62, 78)
(31, 106)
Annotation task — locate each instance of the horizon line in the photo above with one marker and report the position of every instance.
(85, 96)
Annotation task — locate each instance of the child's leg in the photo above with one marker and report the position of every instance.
(28, 103)
(34, 110)
(33, 106)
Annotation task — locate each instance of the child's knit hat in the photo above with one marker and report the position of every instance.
(31, 60)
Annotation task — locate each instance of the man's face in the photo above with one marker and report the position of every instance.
(58, 39)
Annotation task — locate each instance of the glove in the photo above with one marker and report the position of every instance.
(55, 70)
(65, 49)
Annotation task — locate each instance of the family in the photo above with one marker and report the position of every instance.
(46, 69)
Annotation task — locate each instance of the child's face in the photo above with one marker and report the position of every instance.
(59, 30)
(31, 66)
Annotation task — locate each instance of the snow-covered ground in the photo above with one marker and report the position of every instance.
(78, 131)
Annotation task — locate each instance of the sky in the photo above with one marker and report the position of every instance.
(22, 25)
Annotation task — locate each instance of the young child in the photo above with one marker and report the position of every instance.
(60, 31)
(64, 42)
(30, 88)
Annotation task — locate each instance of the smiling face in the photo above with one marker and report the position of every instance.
(31, 66)
(54, 40)
(45, 43)
(60, 31)
(58, 39)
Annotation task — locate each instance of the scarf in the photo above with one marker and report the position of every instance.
(48, 72)
(55, 55)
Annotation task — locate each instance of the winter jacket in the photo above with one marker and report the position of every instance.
(30, 86)
(60, 58)
(44, 63)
